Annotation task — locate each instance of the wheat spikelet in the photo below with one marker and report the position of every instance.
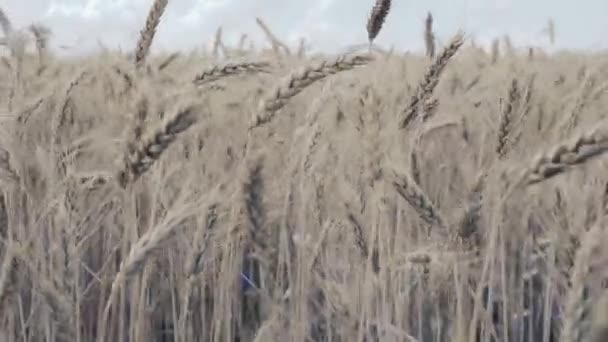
(297, 81)
(377, 17)
(230, 69)
(430, 81)
(147, 34)
(150, 149)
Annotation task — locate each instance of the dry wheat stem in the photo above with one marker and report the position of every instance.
(145, 246)
(6, 270)
(276, 43)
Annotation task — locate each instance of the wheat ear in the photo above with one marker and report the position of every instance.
(297, 81)
(419, 201)
(577, 151)
(147, 34)
(377, 17)
(430, 81)
(140, 159)
(230, 69)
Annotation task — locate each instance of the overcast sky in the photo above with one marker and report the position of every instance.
(327, 24)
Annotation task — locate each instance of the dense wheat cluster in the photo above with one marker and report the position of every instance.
(262, 195)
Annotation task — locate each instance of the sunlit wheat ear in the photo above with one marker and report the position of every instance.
(377, 17)
(297, 81)
(429, 82)
(231, 69)
(150, 149)
(147, 34)
(577, 151)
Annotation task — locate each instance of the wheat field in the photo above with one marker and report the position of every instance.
(267, 194)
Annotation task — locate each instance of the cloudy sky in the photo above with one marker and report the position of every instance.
(84, 25)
